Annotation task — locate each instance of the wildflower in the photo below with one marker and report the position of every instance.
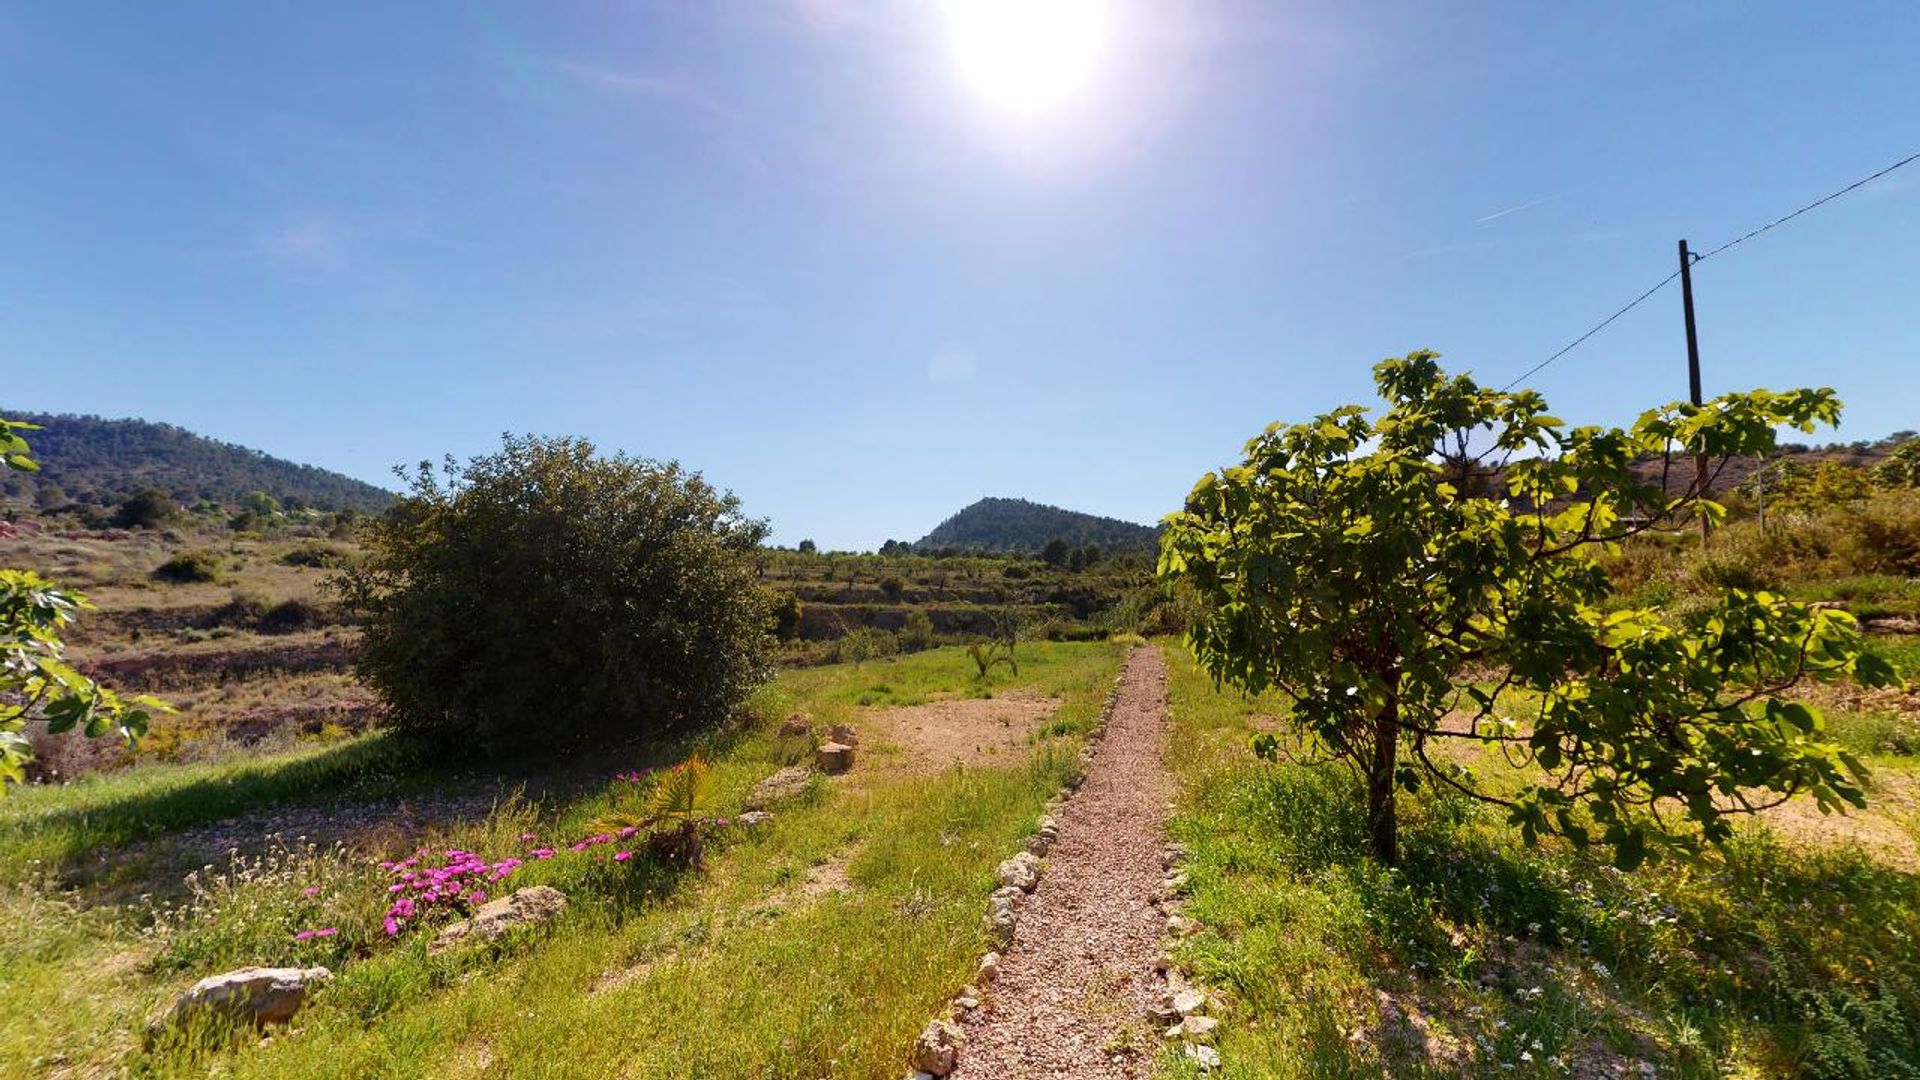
(310, 891)
(541, 853)
(309, 935)
(528, 838)
(392, 927)
(622, 856)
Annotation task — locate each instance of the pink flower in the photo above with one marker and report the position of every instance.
(309, 935)
(541, 853)
(391, 926)
(310, 891)
(527, 838)
(622, 856)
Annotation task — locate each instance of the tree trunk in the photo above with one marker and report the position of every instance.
(1382, 827)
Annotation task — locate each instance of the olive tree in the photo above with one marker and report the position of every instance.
(1349, 563)
(36, 682)
(544, 596)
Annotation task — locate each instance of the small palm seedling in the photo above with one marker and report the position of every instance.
(671, 816)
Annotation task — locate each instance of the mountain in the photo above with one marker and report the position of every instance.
(104, 461)
(1019, 525)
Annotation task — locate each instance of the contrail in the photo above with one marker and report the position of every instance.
(1515, 209)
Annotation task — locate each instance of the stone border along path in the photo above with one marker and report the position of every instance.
(1084, 988)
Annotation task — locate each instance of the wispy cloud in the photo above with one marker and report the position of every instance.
(1498, 214)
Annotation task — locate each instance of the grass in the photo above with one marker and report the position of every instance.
(1481, 957)
(751, 967)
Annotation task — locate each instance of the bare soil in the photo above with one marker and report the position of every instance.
(1073, 988)
(975, 732)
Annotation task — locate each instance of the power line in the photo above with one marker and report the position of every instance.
(1816, 203)
(1601, 325)
(1664, 282)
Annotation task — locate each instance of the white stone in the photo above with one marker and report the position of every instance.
(833, 758)
(530, 906)
(1021, 872)
(937, 1050)
(989, 968)
(257, 995)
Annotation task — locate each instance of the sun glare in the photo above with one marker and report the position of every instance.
(1026, 56)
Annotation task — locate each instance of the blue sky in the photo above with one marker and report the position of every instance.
(802, 247)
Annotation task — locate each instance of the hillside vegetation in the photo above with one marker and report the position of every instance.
(87, 459)
(1023, 526)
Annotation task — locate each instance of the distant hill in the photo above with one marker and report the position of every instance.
(103, 461)
(1019, 525)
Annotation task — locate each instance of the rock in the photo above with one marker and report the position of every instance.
(784, 784)
(1022, 871)
(989, 968)
(1177, 882)
(937, 1050)
(1189, 1001)
(1010, 895)
(1194, 1029)
(1001, 920)
(1039, 844)
(964, 1004)
(1163, 962)
(844, 735)
(255, 995)
(834, 758)
(1179, 925)
(530, 906)
(754, 818)
(1204, 1056)
(797, 724)
(1161, 1010)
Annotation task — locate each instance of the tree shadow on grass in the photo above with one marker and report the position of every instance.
(86, 836)
(1551, 954)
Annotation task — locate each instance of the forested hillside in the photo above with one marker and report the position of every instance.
(1019, 525)
(92, 460)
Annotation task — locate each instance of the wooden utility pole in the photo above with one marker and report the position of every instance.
(1693, 376)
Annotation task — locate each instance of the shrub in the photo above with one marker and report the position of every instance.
(291, 616)
(315, 554)
(1718, 569)
(864, 643)
(148, 509)
(917, 634)
(786, 616)
(544, 595)
(893, 587)
(1883, 535)
(242, 609)
(188, 567)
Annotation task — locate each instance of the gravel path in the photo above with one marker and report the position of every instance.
(1072, 989)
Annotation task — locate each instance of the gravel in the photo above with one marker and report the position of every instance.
(1070, 992)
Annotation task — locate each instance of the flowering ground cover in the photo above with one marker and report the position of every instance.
(1792, 952)
(737, 968)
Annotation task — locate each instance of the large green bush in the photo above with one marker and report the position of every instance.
(545, 596)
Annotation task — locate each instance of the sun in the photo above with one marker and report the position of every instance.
(1027, 56)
